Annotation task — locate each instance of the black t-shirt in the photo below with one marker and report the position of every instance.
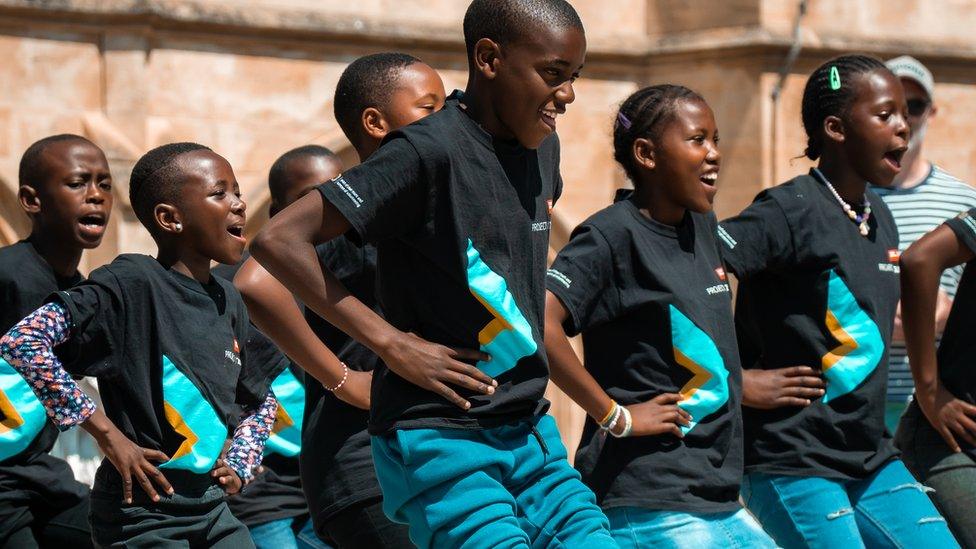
(167, 352)
(276, 493)
(814, 292)
(655, 311)
(958, 345)
(27, 472)
(461, 225)
(26, 280)
(337, 462)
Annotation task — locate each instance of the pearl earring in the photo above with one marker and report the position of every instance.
(179, 227)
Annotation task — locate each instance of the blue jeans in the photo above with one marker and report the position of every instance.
(634, 527)
(505, 487)
(280, 534)
(887, 509)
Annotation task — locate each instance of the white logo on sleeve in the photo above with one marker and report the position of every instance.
(347, 190)
(559, 277)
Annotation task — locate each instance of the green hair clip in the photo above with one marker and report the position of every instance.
(834, 78)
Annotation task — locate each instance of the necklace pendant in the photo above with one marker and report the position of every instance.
(864, 229)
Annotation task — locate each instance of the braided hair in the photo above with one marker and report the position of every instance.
(830, 91)
(645, 114)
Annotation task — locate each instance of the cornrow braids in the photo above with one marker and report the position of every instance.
(644, 114)
(830, 91)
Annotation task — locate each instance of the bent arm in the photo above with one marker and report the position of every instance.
(274, 311)
(247, 447)
(566, 370)
(286, 248)
(29, 348)
(921, 268)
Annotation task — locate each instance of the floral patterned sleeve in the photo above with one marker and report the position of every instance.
(29, 348)
(247, 448)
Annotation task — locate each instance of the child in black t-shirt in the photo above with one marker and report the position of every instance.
(376, 94)
(937, 433)
(66, 190)
(817, 260)
(642, 280)
(163, 338)
(458, 207)
(273, 506)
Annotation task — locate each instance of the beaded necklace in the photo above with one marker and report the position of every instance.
(862, 219)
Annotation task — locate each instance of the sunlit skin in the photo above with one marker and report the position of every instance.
(868, 142)
(679, 168)
(210, 213)
(70, 204)
(522, 87)
(419, 92)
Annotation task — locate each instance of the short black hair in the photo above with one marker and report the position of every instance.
(507, 21)
(367, 82)
(644, 114)
(156, 179)
(278, 176)
(31, 168)
(830, 91)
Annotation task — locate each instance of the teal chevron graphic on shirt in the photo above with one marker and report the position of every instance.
(286, 434)
(23, 414)
(507, 338)
(861, 346)
(192, 416)
(708, 390)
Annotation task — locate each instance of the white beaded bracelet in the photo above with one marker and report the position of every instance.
(345, 376)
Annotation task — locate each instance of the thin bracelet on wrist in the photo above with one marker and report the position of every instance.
(345, 376)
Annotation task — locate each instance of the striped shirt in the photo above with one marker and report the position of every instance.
(917, 211)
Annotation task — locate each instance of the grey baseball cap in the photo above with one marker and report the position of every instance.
(907, 66)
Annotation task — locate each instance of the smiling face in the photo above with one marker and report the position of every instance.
(74, 197)
(534, 82)
(686, 156)
(419, 92)
(876, 131)
(211, 210)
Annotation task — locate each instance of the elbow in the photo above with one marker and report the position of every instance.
(912, 261)
(263, 246)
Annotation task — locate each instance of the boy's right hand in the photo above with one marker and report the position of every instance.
(658, 416)
(434, 367)
(793, 386)
(131, 461)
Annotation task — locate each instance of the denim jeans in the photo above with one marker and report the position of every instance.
(280, 534)
(887, 509)
(952, 476)
(634, 527)
(504, 487)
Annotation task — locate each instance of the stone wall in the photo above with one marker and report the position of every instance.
(252, 78)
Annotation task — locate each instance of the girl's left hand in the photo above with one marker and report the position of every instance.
(227, 477)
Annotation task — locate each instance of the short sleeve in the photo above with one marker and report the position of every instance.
(97, 311)
(757, 239)
(964, 225)
(384, 197)
(582, 278)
